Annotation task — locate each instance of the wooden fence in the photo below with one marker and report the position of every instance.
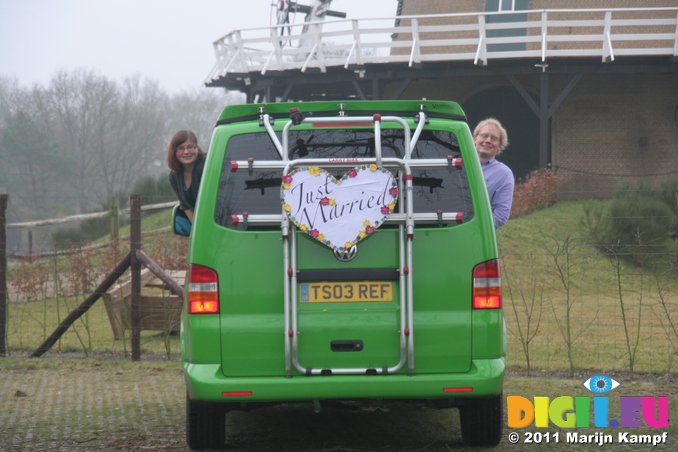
(114, 213)
(134, 259)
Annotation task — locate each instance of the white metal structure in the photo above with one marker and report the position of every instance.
(602, 33)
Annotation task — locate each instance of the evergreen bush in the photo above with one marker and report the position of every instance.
(638, 225)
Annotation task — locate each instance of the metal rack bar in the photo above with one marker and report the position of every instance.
(405, 218)
(394, 218)
(348, 163)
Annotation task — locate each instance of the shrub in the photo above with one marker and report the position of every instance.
(30, 279)
(82, 275)
(669, 194)
(154, 190)
(169, 251)
(638, 224)
(639, 227)
(537, 191)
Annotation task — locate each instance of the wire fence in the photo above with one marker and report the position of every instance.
(570, 306)
(571, 303)
(44, 289)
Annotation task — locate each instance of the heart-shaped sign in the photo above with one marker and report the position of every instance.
(339, 213)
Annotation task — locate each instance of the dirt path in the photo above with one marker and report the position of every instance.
(80, 405)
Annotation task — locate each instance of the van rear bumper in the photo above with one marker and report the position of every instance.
(206, 382)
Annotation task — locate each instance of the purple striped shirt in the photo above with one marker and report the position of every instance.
(500, 182)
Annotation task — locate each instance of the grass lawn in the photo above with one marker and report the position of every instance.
(567, 306)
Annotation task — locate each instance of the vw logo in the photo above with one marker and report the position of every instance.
(346, 255)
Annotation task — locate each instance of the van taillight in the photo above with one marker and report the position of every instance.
(487, 285)
(203, 290)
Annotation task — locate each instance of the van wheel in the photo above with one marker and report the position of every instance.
(481, 421)
(205, 425)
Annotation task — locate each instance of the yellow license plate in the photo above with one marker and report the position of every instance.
(333, 292)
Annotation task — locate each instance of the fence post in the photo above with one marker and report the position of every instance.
(135, 299)
(115, 213)
(3, 273)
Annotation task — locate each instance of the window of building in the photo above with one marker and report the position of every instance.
(507, 5)
(492, 6)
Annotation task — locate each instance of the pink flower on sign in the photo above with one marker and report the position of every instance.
(314, 233)
(287, 179)
(324, 201)
(385, 210)
(352, 173)
(393, 191)
(369, 229)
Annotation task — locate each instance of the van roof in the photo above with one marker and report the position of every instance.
(433, 108)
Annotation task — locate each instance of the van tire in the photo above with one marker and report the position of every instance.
(205, 425)
(481, 421)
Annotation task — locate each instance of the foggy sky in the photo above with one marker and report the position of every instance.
(166, 40)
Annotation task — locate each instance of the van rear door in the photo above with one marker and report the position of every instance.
(346, 313)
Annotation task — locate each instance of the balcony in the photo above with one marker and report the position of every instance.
(477, 38)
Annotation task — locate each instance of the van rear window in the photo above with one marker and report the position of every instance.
(259, 193)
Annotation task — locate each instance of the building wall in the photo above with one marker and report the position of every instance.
(414, 7)
(439, 7)
(590, 4)
(422, 7)
(615, 129)
(600, 15)
(610, 130)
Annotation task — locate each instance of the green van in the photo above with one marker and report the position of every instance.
(343, 252)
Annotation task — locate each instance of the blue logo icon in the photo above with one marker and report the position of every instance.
(600, 384)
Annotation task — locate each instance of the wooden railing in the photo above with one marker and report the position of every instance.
(477, 37)
(114, 213)
(87, 216)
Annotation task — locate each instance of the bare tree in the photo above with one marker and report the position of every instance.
(130, 144)
(32, 168)
(85, 138)
(9, 87)
(80, 108)
(28, 159)
(112, 132)
(198, 111)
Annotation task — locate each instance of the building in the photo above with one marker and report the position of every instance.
(588, 88)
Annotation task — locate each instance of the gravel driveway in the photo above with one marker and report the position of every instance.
(86, 404)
